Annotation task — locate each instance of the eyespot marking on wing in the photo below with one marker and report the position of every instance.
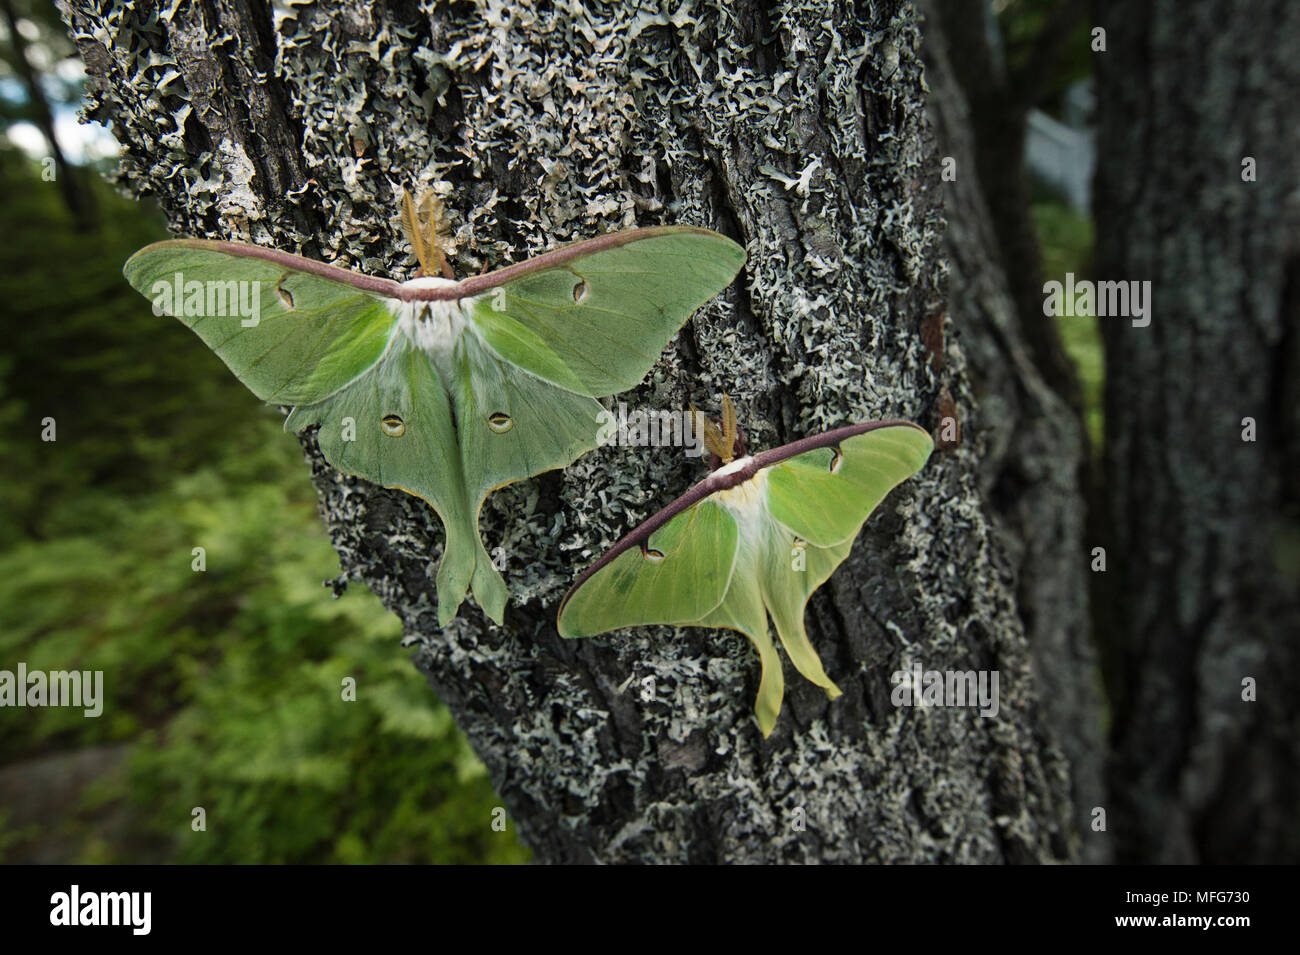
(652, 555)
(500, 422)
(837, 460)
(282, 293)
(580, 291)
(393, 425)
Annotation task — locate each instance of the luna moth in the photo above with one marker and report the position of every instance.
(445, 389)
(754, 538)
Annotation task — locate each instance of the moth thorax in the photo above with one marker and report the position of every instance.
(432, 326)
(747, 500)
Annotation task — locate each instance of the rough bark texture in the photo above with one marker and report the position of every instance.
(1033, 447)
(1202, 525)
(799, 131)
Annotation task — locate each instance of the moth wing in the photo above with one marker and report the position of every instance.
(293, 331)
(594, 317)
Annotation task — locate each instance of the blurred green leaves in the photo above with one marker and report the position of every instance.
(1065, 240)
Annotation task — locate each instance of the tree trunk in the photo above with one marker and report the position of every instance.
(1033, 448)
(77, 199)
(1202, 525)
(995, 111)
(801, 132)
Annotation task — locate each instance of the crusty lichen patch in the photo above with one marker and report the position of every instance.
(798, 131)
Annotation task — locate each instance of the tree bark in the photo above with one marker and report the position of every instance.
(1203, 525)
(800, 132)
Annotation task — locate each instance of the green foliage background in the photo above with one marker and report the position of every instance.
(223, 687)
(1065, 240)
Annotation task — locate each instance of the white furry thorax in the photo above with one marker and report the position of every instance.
(747, 500)
(431, 326)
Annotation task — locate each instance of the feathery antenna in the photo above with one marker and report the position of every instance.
(720, 442)
(424, 223)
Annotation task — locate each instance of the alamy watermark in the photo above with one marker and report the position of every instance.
(1086, 298)
(131, 910)
(650, 429)
(210, 299)
(917, 687)
(83, 688)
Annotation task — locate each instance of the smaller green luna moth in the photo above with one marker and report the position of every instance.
(756, 537)
(447, 390)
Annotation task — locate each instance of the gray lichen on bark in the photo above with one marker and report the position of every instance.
(800, 132)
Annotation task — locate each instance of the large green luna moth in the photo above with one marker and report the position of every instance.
(445, 389)
(756, 537)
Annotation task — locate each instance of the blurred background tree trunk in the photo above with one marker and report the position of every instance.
(798, 131)
(996, 99)
(1035, 452)
(1199, 158)
(36, 109)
